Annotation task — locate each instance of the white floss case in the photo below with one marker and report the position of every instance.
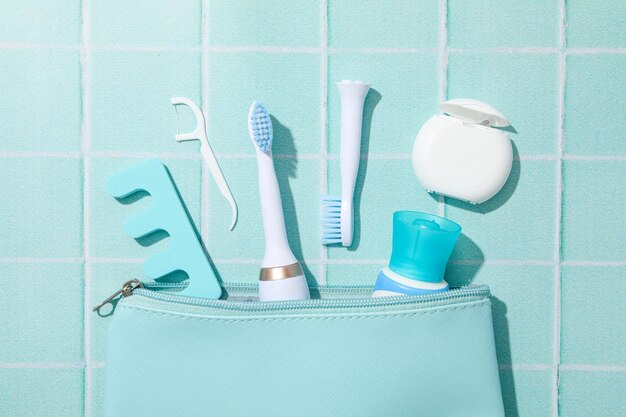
(459, 153)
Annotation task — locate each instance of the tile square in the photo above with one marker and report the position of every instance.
(594, 192)
(527, 393)
(383, 24)
(45, 215)
(383, 187)
(42, 329)
(598, 394)
(275, 23)
(97, 402)
(600, 25)
(592, 315)
(50, 22)
(523, 326)
(165, 23)
(518, 223)
(594, 104)
(287, 84)
(404, 94)
(498, 24)
(130, 99)
(41, 110)
(524, 87)
(354, 273)
(26, 392)
(107, 216)
(299, 184)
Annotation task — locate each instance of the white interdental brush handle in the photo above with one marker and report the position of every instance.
(352, 94)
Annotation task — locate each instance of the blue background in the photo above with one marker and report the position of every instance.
(85, 90)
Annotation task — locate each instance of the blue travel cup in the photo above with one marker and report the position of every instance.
(422, 244)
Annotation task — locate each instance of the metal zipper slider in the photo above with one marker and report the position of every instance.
(127, 289)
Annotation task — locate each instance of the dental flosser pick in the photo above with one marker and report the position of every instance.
(199, 133)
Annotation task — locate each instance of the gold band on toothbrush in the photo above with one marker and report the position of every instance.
(281, 272)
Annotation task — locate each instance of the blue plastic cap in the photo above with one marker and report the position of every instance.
(422, 244)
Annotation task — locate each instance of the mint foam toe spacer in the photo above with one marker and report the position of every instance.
(422, 244)
(166, 212)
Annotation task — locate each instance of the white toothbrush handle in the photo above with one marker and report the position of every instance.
(277, 251)
(352, 95)
(218, 176)
(295, 288)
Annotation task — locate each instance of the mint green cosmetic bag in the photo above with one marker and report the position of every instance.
(340, 354)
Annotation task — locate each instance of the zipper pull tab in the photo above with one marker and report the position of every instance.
(127, 289)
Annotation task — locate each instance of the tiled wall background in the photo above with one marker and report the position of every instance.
(85, 89)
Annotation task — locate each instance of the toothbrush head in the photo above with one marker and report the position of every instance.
(331, 220)
(260, 127)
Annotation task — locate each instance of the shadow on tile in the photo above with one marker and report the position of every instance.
(287, 167)
(458, 272)
(371, 101)
(501, 322)
(499, 199)
(507, 383)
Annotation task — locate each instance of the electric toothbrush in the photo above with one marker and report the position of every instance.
(281, 276)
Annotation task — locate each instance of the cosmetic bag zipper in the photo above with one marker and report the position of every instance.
(354, 296)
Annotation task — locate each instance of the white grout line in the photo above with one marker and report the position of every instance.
(42, 365)
(39, 46)
(493, 262)
(569, 157)
(117, 260)
(383, 50)
(443, 75)
(558, 236)
(593, 263)
(536, 158)
(140, 155)
(502, 262)
(525, 367)
(281, 50)
(595, 51)
(443, 49)
(593, 368)
(27, 260)
(527, 50)
(377, 156)
(298, 156)
(130, 48)
(237, 261)
(514, 367)
(322, 272)
(204, 183)
(267, 49)
(84, 147)
(333, 156)
(39, 154)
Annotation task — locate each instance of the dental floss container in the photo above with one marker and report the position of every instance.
(421, 246)
(459, 153)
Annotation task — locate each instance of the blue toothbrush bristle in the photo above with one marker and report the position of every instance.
(331, 220)
(260, 126)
